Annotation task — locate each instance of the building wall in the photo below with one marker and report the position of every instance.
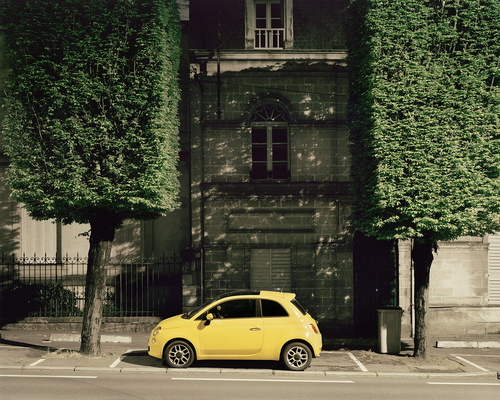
(458, 290)
(307, 214)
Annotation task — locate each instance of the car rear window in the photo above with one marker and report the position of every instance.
(296, 303)
(272, 309)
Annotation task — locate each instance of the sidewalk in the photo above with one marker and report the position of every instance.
(44, 350)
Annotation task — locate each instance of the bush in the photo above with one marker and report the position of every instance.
(21, 300)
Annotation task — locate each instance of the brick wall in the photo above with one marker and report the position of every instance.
(319, 24)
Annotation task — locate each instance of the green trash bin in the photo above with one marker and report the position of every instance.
(389, 330)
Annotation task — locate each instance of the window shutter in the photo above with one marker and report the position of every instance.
(270, 269)
(494, 270)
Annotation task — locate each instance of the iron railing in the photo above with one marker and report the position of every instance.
(55, 286)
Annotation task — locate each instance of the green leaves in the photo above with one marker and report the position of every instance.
(92, 106)
(424, 117)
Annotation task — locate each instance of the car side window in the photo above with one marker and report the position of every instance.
(272, 309)
(243, 308)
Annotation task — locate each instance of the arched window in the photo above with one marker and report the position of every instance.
(270, 143)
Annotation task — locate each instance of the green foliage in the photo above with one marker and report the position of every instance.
(92, 97)
(424, 112)
(33, 300)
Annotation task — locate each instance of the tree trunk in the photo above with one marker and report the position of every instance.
(422, 258)
(101, 240)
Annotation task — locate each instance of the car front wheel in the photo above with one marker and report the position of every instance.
(296, 356)
(178, 354)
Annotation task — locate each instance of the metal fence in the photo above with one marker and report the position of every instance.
(55, 287)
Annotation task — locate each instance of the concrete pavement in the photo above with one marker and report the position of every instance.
(30, 350)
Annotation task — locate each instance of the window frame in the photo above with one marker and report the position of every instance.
(250, 24)
(272, 118)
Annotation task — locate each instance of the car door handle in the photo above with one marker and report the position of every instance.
(255, 329)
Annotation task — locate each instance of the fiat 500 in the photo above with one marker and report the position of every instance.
(258, 325)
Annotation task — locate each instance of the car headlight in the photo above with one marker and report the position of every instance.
(157, 330)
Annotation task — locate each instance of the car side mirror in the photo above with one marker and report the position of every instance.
(210, 317)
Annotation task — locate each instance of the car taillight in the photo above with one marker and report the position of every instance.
(313, 327)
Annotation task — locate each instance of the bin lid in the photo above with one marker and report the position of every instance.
(390, 309)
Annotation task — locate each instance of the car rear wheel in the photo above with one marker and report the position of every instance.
(178, 354)
(296, 356)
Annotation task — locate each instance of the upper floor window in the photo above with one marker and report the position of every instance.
(268, 24)
(270, 143)
(269, 32)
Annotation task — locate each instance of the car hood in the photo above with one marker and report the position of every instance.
(172, 322)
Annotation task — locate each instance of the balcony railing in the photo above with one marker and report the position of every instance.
(269, 38)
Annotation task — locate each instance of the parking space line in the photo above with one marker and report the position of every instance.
(37, 362)
(119, 359)
(43, 359)
(470, 362)
(358, 363)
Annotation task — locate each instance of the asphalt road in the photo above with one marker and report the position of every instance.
(241, 386)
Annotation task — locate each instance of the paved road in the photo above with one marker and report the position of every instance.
(65, 385)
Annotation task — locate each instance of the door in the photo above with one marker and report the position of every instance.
(236, 330)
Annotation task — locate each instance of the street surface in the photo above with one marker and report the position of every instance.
(34, 367)
(55, 385)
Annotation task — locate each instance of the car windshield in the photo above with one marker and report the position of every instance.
(195, 311)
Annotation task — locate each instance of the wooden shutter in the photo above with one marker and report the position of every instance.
(270, 269)
(494, 270)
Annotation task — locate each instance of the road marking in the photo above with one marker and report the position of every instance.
(49, 376)
(464, 383)
(37, 362)
(43, 359)
(361, 366)
(258, 380)
(119, 359)
(471, 363)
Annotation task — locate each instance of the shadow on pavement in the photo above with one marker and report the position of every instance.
(140, 358)
(28, 345)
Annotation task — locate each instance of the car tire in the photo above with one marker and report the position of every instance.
(296, 356)
(178, 354)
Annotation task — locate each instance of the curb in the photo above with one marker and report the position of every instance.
(70, 337)
(468, 344)
(277, 373)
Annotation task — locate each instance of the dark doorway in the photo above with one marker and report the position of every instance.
(375, 281)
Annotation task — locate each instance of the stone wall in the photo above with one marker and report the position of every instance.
(458, 293)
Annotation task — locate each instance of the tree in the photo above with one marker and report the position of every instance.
(424, 125)
(92, 128)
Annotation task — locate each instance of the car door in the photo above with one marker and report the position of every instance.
(235, 331)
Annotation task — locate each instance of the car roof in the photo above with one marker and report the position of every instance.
(264, 293)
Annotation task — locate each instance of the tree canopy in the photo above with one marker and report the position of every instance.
(91, 128)
(425, 127)
(92, 98)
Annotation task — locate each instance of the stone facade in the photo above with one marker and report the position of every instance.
(305, 214)
(459, 299)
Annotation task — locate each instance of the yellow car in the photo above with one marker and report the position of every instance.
(249, 325)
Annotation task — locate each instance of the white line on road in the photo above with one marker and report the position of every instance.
(49, 376)
(119, 359)
(464, 383)
(259, 380)
(43, 359)
(361, 366)
(471, 363)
